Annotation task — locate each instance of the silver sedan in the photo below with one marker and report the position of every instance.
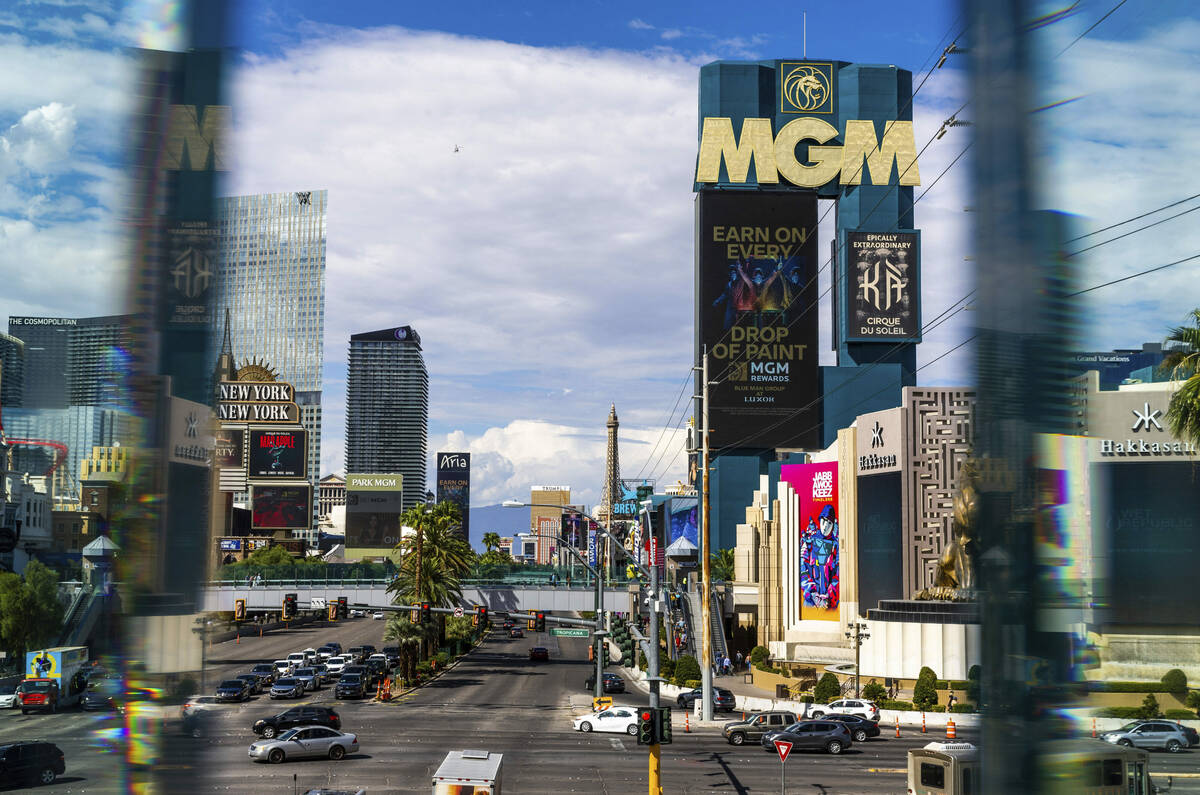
(305, 742)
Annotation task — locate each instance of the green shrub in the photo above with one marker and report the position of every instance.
(974, 672)
(443, 659)
(965, 709)
(692, 683)
(828, 689)
(1179, 714)
(1125, 713)
(686, 668)
(924, 693)
(806, 699)
(938, 708)
(1193, 700)
(873, 691)
(666, 667)
(901, 705)
(423, 668)
(1175, 681)
(972, 687)
(1150, 707)
(643, 663)
(1127, 687)
(759, 654)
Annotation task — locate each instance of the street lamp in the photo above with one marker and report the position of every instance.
(598, 688)
(857, 632)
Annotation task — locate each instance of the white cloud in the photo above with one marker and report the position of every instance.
(639, 24)
(41, 139)
(671, 33)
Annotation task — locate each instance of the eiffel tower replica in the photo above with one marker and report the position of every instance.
(611, 491)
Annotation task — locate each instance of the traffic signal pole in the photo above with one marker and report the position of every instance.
(655, 787)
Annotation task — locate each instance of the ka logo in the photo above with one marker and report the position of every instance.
(806, 87)
(877, 436)
(1145, 417)
(191, 425)
(192, 271)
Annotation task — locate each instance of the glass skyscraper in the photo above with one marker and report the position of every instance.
(72, 361)
(272, 281)
(387, 408)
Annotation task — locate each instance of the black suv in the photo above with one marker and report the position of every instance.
(722, 699)
(350, 686)
(364, 672)
(613, 683)
(31, 762)
(298, 716)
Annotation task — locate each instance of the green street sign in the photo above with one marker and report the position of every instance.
(565, 632)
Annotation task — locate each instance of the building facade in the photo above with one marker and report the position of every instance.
(12, 371)
(272, 282)
(546, 523)
(387, 407)
(72, 361)
(331, 492)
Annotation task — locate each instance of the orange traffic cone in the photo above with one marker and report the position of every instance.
(950, 733)
(687, 725)
(922, 721)
(897, 725)
(238, 639)
(1093, 728)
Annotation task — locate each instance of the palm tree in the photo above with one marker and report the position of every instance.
(491, 541)
(1183, 361)
(410, 638)
(720, 565)
(434, 559)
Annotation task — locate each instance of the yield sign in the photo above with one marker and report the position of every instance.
(784, 748)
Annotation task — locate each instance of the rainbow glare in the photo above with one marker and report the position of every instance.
(159, 24)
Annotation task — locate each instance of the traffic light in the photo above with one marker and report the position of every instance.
(426, 612)
(664, 725)
(289, 606)
(480, 618)
(343, 607)
(604, 654)
(645, 726)
(539, 622)
(414, 615)
(239, 609)
(627, 658)
(333, 611)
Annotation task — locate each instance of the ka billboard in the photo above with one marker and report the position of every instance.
(816, 486)
(756, 314)
(885, 297)
(454, 485)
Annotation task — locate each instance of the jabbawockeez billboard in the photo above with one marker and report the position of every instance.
(819, 546)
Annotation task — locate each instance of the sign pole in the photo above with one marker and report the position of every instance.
(782, 777)
(783, 748)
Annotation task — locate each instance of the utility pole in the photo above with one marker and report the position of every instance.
(706, 666)
(858, 633)
(652, 668)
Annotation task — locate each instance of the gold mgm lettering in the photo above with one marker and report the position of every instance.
(191, 140)
(776, 155)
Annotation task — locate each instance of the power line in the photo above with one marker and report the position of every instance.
(1136, 275)
(1136, 217)
(1093, 27)
(668, 421)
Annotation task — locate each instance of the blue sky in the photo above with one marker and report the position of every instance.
(548, 264)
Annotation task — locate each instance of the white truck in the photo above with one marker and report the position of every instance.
(468, 773)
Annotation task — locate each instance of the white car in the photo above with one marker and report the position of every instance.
(335, 665)
(377, 615)
(357, 613)
(8, 696)
(622, 720)
(311, 654)
(198, 703)
(848, 706)
(283, 668)
(298, 660)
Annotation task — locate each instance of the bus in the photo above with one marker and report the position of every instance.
(1076, 767)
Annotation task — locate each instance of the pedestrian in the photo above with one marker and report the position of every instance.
(950, 702)
(728, 666)
(738, 657)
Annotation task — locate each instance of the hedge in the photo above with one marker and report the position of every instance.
(1179, 714)
(965, 709)
(901, 705)
(1175, 681)
(938, 708)
(1128, 713)
(951, 684)
(1127, 687)
(692, 683)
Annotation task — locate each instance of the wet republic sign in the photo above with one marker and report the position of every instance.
(257, 401)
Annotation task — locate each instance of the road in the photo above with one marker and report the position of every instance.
(495, 699)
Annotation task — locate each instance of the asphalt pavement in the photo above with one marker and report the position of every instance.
(495, 699)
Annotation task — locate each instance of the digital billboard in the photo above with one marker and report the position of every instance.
(685, 521)
(374, 503)
(281, 507)
(454, 484)
(278, 454)
(885, 297)
(756, 313)
(227, 454)
(819, 563)
(880, 540)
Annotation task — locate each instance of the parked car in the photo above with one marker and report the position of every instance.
(810, 735)
(305, 743)
(287, 687)
(613, 683)
(848, 706)
(860, 728)
(8, 695)
(623, 720)
(350, 686)
(31, 762)
(254, 681)
(307, 677)
(722, 699)
(197, 704)
(298, 660)
(266, 671)
(539, 653)
(377, 615)
(755, 726)
(1149, 734)
(335, 665)
(308, 715)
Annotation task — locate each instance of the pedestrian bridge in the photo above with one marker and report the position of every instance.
(267, 595)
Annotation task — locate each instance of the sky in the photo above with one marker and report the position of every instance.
(547, 264)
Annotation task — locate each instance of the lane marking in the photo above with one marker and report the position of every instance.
(617, 744)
